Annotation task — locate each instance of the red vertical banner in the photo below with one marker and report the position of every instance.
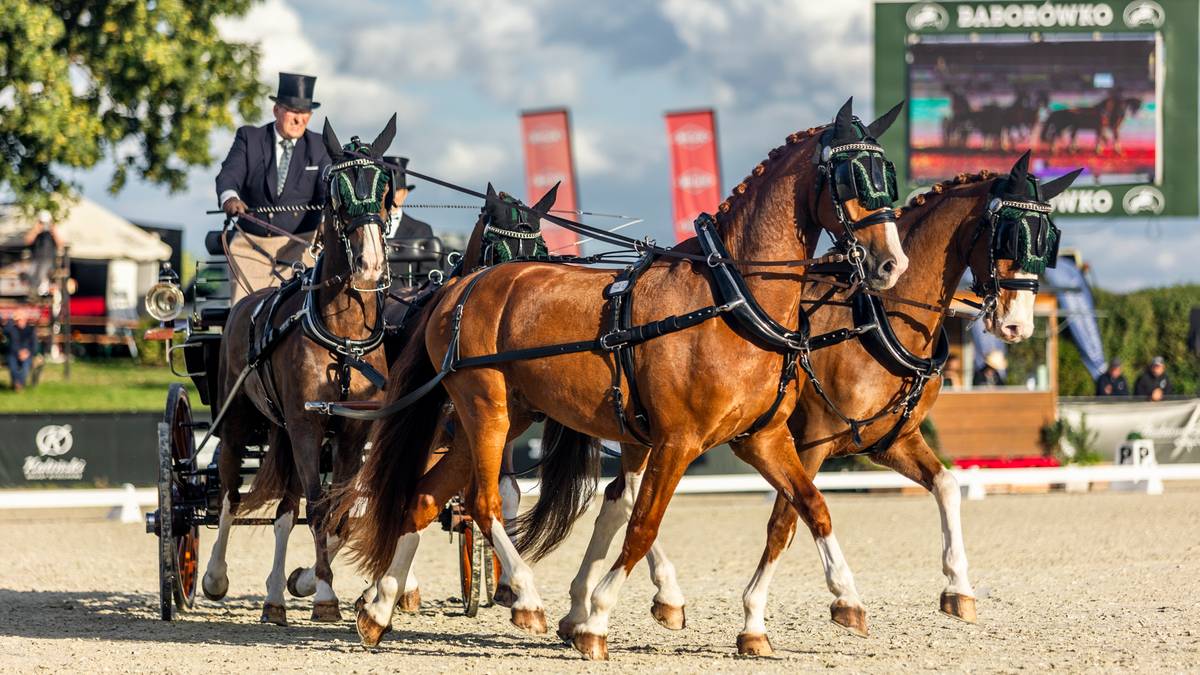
(695, 171)
(546, 135)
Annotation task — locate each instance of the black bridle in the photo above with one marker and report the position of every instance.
(856, 169)
(360, 185)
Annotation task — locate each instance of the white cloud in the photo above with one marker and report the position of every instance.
(470, 163)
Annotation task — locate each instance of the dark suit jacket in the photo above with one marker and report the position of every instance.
(250, 169)
(411, 228)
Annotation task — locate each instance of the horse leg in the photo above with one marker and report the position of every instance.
(374, 608)
(666, 467)
(274, 607)
(510, 505)
(215, 583)
(614, 513)
(772, 453)
(781, 531)
(307, 442)
(912, 457)
(486, 429)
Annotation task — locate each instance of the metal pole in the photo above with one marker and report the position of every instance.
(64, 283)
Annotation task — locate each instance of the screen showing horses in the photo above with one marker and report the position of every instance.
(1076, 99)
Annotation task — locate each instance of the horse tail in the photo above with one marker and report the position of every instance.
(276, 476)
(400, 447)
(569, 471)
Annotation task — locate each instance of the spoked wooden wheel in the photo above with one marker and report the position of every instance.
(178, 535)
(471, 549)
(478, 568)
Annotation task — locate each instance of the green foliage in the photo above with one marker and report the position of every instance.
(1137, 327)
(141, 82)
(95, 385)
(1069, 443)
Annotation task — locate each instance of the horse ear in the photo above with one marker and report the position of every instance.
(875, 129)
(491, 192)
(384, 139)
(1019, 172)
(843, 122)
(543, 205)
(1055, 187)
(332, 145)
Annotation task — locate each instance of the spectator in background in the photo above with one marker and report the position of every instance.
(1112, 381)
(1153, 384)
(952, 373)
(43, 242)
(21, 336)
(992, 373)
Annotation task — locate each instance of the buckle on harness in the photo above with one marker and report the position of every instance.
(618, 336)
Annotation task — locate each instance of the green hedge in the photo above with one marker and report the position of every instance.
(1136, 327)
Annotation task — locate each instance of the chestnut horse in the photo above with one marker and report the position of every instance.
(951, 221)
(341, 302)
(700, 385)
(502, 232)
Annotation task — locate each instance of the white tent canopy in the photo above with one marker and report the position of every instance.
(93, 233)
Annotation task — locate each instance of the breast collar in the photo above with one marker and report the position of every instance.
(732, 290)
(878, 338)
(318, 332)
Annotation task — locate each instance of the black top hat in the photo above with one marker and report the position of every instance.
(399, 178)
(296, 91)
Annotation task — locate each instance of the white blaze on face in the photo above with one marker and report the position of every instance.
(372, 258)
(1013, 321)
(891, 238)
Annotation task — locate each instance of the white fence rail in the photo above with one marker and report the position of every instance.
(974, 481)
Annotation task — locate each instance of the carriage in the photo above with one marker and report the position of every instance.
(189, 489)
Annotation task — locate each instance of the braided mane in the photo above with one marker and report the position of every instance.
(938, 188)
(741, 188)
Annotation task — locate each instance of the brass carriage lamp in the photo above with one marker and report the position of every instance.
(165, 299)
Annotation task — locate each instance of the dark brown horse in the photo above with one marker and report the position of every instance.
(701, 386)
(340, 302)
(947, 229)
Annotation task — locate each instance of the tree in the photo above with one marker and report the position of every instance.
(143, 82)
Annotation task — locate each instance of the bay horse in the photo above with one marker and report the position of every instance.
(693, 381)
(313, 338)
(947, 222)
(1104, 119)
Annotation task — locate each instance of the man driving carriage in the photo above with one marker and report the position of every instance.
(277, 164)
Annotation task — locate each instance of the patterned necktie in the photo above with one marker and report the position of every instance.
(284, 160)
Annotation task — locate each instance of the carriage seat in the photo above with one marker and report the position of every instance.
(414, 250)
(213, 316)
(212, 242)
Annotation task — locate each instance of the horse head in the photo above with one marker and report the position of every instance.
(506, 230)
(1022, 242)
(359, 188)
(861, 186)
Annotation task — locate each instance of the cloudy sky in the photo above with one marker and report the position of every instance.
(457, 73)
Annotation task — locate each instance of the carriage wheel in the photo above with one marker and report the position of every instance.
(178, 536)
(472, 548)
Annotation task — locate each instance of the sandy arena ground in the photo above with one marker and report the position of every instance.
(1098, 582)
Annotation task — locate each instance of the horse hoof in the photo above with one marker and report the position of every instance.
(326, 611)
(276, 614)
(293, 582)
(410, 601)
(851, 617)
(961, 607)
(566, 630)
(213, 590)
(530, 620)
(671, 618)
(754, 644)
(593, 647)
(504, 596)
(370, 632)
